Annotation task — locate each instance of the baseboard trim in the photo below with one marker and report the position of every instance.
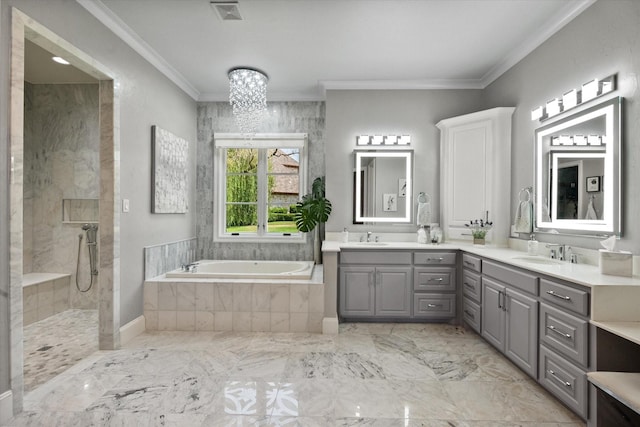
(6, 406)
(132, 330)
(330, 325)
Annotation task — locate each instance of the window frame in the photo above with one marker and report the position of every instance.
(262, 142)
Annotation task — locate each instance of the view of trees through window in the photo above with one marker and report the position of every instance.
(273, 171)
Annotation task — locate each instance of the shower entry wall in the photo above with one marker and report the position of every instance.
(61, 188)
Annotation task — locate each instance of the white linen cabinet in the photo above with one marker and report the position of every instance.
(475, 179)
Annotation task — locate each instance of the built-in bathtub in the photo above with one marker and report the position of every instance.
(43, 295)
(246, 269)
(259, 296)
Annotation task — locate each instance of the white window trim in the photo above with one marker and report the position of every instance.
(259, 140)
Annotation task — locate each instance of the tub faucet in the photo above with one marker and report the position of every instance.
(190, 267)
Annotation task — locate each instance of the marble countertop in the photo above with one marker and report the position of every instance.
(624, 386)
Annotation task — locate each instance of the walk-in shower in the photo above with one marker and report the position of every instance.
(91, 231)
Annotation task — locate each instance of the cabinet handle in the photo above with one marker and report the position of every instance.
(439, 279)
(468, 313)
(557, 378)
(469, 263)
(553, 328)
(469, 285)
(435, 259)
(434, 305)
(499, 298)
(553, 294)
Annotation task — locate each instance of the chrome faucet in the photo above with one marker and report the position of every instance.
(561, 252)
(368, 236)
(190, 267)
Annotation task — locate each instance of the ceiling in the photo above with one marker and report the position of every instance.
(309, 46)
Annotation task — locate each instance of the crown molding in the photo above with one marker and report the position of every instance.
(110, 20)
(562, 18)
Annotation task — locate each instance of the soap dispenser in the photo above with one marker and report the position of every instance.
(532, 245)
(345, 235)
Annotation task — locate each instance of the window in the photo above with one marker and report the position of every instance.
(258, 183)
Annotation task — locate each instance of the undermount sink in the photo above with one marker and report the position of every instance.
(537, 260)
(372, 243)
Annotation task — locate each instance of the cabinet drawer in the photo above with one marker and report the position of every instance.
(564, 380)
(567, 334)
(471, 314)
(471, 262)
(576, 300)
(434, 306)
(434, 258)
(375, 257)
(434, 279)
(511, 276)
(471, 286)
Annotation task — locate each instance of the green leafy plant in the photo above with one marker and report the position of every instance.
(313, 209)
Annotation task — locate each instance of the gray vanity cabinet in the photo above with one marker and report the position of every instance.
(510, 316)
(472, 291)
(357, 293)
(375, 285)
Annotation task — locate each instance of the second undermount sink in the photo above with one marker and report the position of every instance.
(537, 260)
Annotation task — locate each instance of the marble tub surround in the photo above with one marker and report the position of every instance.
(240, 305)
(369, 374)
(43, 295)
(159, 259)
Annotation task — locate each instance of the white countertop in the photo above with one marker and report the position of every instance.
(581, 274)
(624, 386)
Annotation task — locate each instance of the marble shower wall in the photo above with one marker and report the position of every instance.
(61, 161)
(284, 117)
(159, 259)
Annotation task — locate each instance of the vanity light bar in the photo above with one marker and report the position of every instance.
(593, 140)
(383, 140)
(575, 97)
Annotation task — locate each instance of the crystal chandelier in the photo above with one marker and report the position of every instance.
(248, 97)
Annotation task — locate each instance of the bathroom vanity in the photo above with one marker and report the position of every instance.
(539, 313)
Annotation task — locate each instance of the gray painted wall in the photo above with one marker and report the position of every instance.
(402, 112)
(603, 40)
(283, 117)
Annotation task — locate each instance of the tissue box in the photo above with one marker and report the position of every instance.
(616, 263)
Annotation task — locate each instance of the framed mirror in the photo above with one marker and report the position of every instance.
(577, 172)
(383, 186)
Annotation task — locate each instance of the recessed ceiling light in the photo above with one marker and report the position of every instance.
(60, 60)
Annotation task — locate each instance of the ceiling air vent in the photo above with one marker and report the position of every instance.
(227, 10)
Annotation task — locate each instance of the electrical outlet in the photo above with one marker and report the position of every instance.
(125, 205)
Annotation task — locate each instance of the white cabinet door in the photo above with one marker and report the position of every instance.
(475, 156)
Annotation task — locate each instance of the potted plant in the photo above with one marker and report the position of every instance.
(479, 229)
(312, 211)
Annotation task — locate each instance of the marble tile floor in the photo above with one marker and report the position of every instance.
(374, 375)
(54, 344)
